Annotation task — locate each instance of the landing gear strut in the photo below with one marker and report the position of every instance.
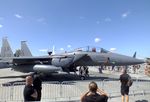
(83, 72)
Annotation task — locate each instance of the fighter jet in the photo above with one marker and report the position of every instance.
(69, 61)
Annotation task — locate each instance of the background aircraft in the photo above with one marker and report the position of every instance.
(69, 61)
(7, 53)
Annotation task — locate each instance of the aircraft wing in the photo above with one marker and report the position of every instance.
(31, 60)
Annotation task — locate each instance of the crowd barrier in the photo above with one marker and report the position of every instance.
(71, 90)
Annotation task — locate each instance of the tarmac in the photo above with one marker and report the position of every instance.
(74, 83)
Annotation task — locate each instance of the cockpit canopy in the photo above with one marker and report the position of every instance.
(92, 49)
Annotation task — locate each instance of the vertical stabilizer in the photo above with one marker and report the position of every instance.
(24, 49)
(134, 56)
(6, 49)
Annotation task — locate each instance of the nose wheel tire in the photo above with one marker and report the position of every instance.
(82, 77)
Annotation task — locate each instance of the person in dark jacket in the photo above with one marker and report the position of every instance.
(37, 84)
(29, 93)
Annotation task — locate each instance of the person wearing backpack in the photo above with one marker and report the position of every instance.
(125, 80)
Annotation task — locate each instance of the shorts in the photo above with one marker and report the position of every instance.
(124, 90)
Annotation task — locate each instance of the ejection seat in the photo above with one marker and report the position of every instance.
(94, 49)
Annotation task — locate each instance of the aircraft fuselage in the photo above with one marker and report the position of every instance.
(71, 60)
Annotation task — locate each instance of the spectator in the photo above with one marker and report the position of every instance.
(94, 94)
(29, 93)
(100, 69)
(80, 71)
(86, 71)
(124, 78)
(37, 84)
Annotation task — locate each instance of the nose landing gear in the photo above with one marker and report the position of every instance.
(83, 72)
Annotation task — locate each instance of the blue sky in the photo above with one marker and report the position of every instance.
(121, 25)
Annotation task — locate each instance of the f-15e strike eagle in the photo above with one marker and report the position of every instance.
(69, 61)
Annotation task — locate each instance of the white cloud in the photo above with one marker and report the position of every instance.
(18, 16)
(1, 18)
(1, 26)
(124, 15)
(40, 19)
(69, 46)
(62, 49)
(113, 49)
(97, 40)
(81, 17)
(43, 50)
(97, 22)
(108, 19)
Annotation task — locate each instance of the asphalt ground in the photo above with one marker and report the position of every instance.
(73, 81)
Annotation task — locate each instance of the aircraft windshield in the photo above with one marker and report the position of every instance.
(92, 49)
